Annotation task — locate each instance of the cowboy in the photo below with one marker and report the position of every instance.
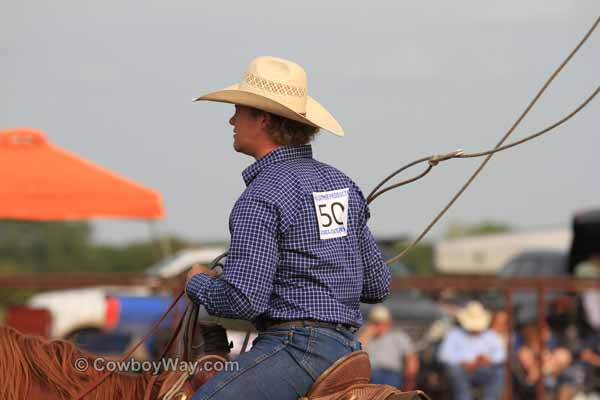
(394, 360)
(301, 256)
(474, 354)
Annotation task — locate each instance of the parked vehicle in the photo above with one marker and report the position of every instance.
(530, 264)
(105, 320)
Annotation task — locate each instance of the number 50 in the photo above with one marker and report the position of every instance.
(331, 216)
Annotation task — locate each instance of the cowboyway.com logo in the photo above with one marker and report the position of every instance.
(155, 367)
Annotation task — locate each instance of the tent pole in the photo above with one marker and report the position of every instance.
(162, 241)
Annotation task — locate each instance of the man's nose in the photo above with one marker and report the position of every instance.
(232, 120)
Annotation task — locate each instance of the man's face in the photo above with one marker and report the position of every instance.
(382, 327)
(248, 130)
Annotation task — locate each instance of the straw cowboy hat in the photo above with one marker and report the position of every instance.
(380, 313)
(474, 317)
(277, 86)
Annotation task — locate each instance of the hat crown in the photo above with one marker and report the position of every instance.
(474, 309)
(279, 70)
(474, 317)
(380, 313)
(278, 79)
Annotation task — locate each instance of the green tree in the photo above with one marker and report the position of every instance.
(45, 246)
(419, 260)
(67, 247)
(486, 227)
(12, 296)
(132, 257)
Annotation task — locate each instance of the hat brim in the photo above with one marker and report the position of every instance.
(474, 324)
(316, 114)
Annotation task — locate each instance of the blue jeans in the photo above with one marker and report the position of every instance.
(490, 379)
(282, 364)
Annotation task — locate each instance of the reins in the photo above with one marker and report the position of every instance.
(95, 384)
(187, 323)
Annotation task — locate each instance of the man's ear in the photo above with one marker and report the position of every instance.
(265, 119)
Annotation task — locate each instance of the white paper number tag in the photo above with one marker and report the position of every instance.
(332, 213)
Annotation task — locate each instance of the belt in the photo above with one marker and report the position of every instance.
(304, 323)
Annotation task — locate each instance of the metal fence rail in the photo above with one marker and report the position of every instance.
(508, 286)
(79, 279)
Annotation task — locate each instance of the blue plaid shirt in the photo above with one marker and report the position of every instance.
(278, 266)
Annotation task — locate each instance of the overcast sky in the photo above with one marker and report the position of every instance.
(113, 81)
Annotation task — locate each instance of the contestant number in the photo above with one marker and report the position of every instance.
(332, 213)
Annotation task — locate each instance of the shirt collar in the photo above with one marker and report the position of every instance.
(279, 154)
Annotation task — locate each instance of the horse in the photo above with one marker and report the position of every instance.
(34, 368)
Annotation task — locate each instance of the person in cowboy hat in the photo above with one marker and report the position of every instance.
(474, 354)
(301, 256)
(394, 360)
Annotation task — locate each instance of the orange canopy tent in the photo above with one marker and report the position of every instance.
(39, 181)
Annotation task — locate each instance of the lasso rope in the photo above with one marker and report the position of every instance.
(434, 160)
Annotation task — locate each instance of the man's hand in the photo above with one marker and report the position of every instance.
(367, 333)
(200, 269)
(470, 366)
(589, 356)
(483, 360)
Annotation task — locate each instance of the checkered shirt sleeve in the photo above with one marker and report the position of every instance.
(245, 288)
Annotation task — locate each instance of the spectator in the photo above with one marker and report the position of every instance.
(501, 324)
(393, 358)
(585, 372)
(534, 345)
(474, 355)
(590, 356)
(590, 268)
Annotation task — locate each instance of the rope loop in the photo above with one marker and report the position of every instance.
(435, 160)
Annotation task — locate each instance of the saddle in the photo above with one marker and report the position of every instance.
(348, 379)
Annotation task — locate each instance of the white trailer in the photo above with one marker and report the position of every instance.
(486, 254)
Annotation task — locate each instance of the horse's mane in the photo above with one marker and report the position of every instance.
(31, 363)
